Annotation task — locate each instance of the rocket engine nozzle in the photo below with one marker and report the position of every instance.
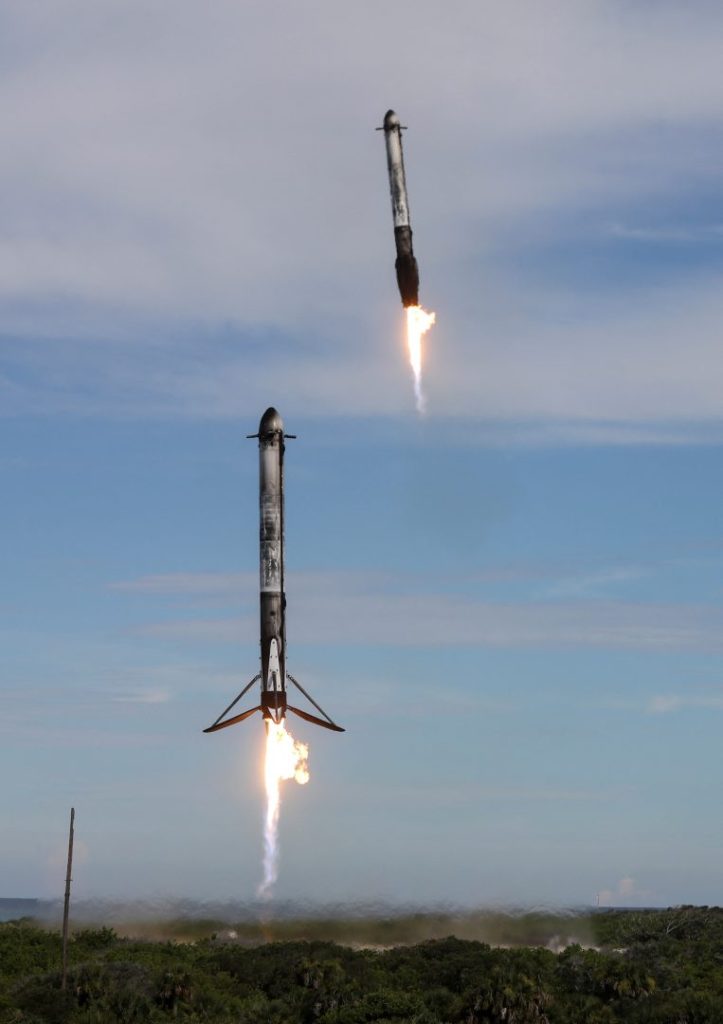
(273, 705)
(408, 280)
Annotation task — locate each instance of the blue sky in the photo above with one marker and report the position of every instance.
(513, 604)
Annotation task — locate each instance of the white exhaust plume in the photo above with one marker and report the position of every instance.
(418, 323)
(285, 759)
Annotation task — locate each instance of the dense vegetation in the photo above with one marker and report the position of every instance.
(652, 967)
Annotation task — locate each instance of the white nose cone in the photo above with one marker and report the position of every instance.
(391, 120)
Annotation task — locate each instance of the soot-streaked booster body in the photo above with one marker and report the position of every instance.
(406, 264)
(272, 598)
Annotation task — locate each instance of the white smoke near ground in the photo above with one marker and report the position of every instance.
(286, 758)
(373, 925)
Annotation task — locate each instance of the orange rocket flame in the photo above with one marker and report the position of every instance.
(418, 323)
(285, 759)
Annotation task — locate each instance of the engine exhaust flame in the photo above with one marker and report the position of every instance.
(418, 323)
(285, 759)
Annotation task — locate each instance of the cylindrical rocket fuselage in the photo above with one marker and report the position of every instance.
(406, 264)
(271, 560)
(272, 599)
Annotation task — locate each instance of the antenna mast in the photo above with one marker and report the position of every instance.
(66, 905)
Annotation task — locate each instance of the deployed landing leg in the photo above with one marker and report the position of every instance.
(218, 724)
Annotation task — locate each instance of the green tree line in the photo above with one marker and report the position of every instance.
(648, 967)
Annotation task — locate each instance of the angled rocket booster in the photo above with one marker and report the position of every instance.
(406, 264)
(272, 599)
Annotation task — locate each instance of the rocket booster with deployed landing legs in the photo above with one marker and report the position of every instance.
(272, 598)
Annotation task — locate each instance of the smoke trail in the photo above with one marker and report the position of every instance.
(418, 323)
(285, 759)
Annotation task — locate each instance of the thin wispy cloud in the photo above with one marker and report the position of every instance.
(682, 233)
(595, 583)
(189, 584)
(378, 608)
(656, 432)
(473, 793)
(142, 697)
(665, 704)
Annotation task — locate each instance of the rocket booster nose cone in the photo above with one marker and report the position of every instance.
(271, 422)
(391, 121)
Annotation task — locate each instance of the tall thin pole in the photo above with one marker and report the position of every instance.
(66, 905)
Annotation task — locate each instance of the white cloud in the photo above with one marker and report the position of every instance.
(171, 181)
